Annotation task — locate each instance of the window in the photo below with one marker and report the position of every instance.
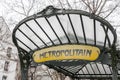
(4, 77)
(6, 65)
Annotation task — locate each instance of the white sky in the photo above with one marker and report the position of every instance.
(1, 9)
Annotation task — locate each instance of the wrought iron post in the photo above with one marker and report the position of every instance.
(114, 64)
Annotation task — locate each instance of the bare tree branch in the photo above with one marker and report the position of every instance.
(30, 7)
(94, 8)
(75, 4)
(87, 4)
(23, 7)
(105, 11)
(97, 3)
(102, 7)
(90, 10)
(60, 4)
(69, 4)
(112, 10)
(51, 2)
(18, 12)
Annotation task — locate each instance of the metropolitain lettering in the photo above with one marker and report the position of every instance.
(67, 52)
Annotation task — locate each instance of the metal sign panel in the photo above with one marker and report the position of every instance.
(66, 52)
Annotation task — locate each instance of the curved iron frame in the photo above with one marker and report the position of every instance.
(25, 58)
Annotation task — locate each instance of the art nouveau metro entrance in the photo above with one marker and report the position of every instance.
(73, 42)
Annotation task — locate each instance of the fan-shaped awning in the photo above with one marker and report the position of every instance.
(47, 37)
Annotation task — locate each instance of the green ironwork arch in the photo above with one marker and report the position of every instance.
(58, 27)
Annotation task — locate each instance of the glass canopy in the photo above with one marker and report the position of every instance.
(56, 27)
